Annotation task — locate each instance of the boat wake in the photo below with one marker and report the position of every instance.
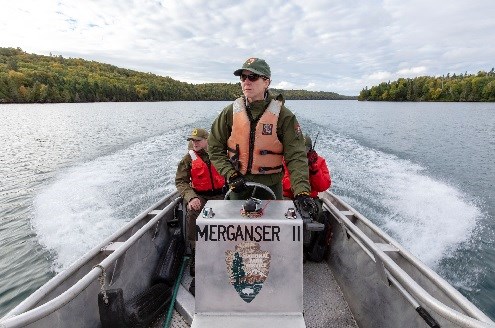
(90, 201)
(429, 217)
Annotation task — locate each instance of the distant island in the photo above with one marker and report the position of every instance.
(463, 87)
(31, 78)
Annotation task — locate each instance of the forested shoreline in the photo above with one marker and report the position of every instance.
(31, 78)
(463, 87)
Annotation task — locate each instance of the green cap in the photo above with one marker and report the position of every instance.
(198, 134)
(255, 65)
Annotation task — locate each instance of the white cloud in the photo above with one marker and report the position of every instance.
(318, 45)
(379, 76)
(284, 85)
(411, 72)
(311, 86)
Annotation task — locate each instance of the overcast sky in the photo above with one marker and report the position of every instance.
(339, 46)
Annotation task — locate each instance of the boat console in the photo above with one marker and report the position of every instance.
(249, 265)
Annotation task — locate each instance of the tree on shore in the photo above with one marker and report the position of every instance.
(30, 78)
(463, 87)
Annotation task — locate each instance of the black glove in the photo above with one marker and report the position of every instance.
(306, 206)
(312, 157)
(237, 183)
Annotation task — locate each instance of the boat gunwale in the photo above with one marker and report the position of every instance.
(478, 319)
(26, 312)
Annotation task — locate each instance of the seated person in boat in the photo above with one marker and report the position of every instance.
(251, 136)
(197, 181)
(320, 180)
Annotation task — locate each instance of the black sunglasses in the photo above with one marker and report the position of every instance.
(251, 77)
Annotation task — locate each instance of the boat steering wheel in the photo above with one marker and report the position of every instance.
(255, 185)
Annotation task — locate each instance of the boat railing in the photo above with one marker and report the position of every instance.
(397, 276)
(28, 312)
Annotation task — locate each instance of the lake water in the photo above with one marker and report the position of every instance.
(71, 174)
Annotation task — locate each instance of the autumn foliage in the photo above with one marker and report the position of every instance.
(30, 78)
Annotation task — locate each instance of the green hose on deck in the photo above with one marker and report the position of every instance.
(166, 324)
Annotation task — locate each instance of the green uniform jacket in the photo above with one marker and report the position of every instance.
(288, 132)
(183, 175)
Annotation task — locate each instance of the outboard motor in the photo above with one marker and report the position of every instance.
(249, 265)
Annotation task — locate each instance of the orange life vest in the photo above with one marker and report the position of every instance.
(258, 151)
(204, 177)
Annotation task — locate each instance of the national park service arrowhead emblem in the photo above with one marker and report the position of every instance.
(248, 268)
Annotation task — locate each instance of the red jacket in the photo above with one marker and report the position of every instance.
(204, 177)
(319, 178)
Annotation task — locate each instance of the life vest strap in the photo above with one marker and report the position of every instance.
(268, 168)
(269, 152)
(234, 159)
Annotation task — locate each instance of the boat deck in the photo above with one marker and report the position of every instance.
(324, 303)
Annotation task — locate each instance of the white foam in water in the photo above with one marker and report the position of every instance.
(428, 217)
(72, 214)
(89, 202)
